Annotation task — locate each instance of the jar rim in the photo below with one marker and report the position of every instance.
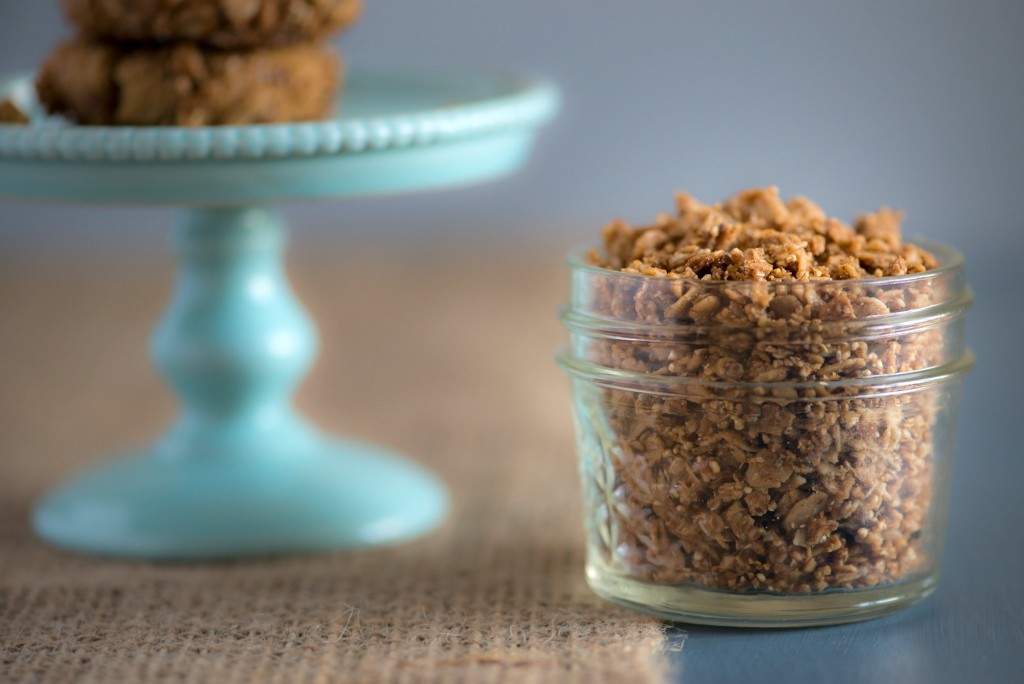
(674, 385)
(864, 328)
(950, 260)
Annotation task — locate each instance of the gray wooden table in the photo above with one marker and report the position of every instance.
(972, 628)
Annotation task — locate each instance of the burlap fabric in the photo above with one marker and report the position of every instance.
(444, 354)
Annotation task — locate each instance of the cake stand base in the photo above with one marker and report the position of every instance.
(317, 497)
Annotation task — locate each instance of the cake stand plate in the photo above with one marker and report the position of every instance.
(240, 472)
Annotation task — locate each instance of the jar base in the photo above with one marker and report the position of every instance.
(687, 603)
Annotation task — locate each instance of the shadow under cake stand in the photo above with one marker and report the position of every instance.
(240, 472)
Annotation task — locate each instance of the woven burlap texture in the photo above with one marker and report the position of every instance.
(443, 354)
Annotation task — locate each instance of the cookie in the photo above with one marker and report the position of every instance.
(10, 113)
(185, 85)
(225, 24)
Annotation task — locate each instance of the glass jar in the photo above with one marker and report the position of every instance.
(765, 453)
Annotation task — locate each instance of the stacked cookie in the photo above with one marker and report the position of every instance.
(197, 62)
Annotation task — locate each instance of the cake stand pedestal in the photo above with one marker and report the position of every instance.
(240, 472)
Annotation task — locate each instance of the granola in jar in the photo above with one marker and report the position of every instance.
(748, 425)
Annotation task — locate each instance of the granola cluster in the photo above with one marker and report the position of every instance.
(757, 236)
(764, 474)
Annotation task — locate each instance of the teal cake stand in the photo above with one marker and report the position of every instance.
(240, 472)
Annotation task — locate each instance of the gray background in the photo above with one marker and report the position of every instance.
(915, 104)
